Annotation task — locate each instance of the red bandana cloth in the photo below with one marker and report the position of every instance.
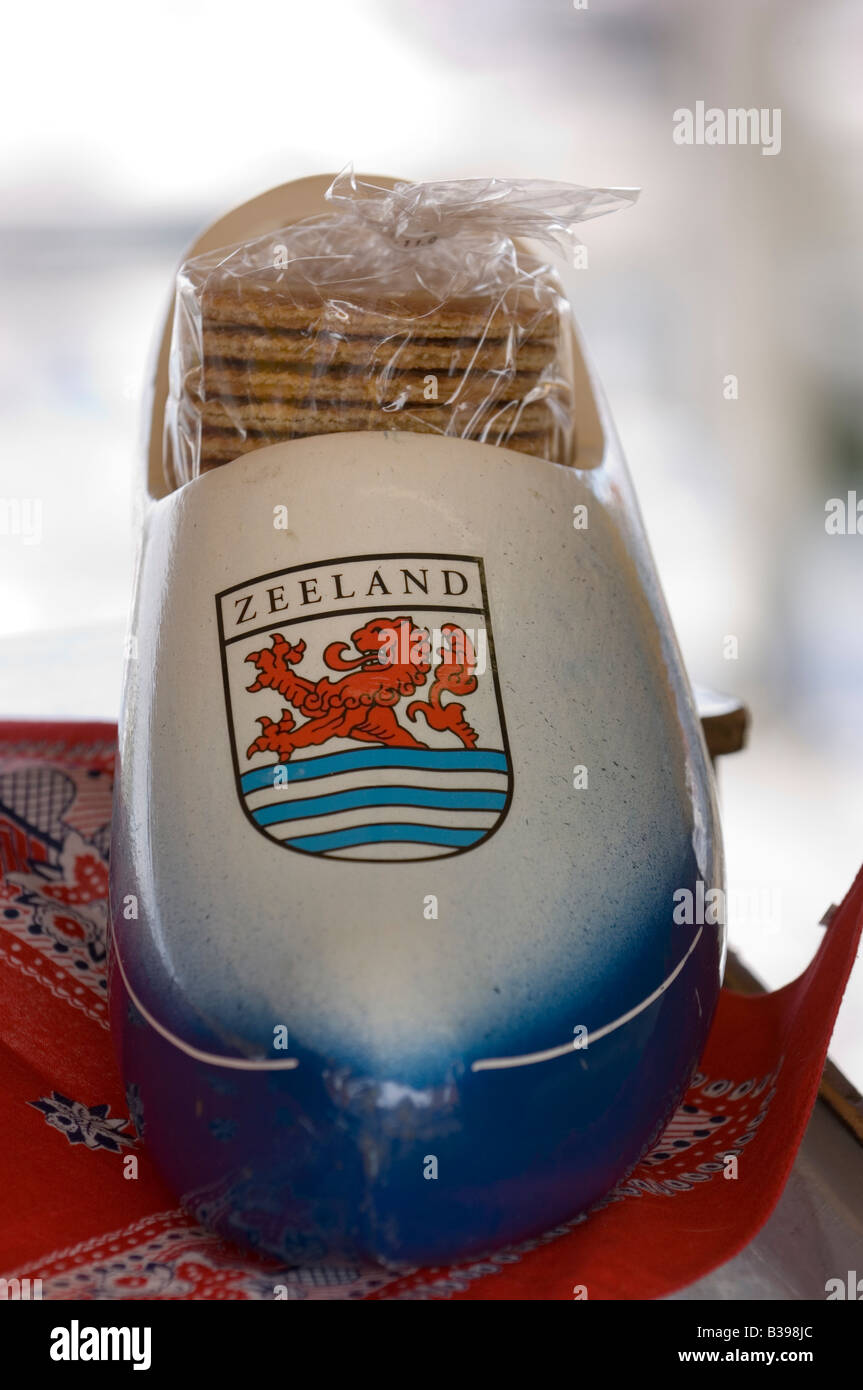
(74, 1217)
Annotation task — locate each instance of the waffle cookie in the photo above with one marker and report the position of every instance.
(269, 361)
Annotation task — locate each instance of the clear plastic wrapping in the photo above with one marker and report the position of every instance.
(413, 308)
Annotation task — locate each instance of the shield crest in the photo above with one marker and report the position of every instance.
(364, 706)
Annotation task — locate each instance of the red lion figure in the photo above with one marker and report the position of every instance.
(394, 659)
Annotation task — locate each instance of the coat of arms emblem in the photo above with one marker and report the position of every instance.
(364, 706)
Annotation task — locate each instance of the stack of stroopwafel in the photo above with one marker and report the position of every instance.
(273, 362)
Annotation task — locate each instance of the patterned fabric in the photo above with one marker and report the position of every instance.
(89, 1216)
(84, 1124)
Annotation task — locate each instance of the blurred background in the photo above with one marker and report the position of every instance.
(128, 128)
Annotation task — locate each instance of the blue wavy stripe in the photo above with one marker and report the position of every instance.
(353, 760)
(379, 796)
(373, 834)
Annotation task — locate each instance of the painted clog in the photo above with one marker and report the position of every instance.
(405, 979)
